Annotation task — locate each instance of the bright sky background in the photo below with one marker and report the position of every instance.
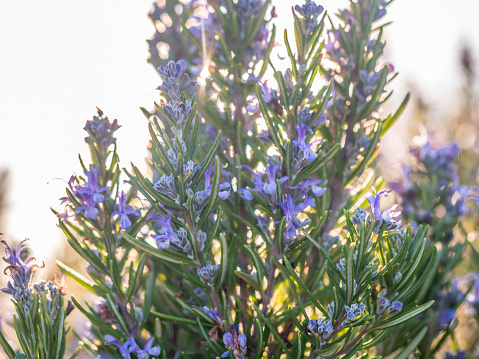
(61, 58)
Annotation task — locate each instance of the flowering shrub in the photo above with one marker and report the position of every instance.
(257, 230)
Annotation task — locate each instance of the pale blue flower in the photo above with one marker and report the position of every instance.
(123, 211)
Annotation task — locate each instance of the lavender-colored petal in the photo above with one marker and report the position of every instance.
(242, 340)
(125, 222)
(310, 155)
(245, 193)
(98, 198)
(396, 306)
(269, 188)
(228, 340)
(318, 191)
(155, 351)
(224, 194)
(91, 213)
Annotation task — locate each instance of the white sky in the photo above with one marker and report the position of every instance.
(60, 59)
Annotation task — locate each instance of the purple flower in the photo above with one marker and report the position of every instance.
(167, 235)
(166, 185)
(308, 153)
(16, 264)
(225, 187)
(268, 188)
(335, 51)
(375, 203)
(439, 167)
(446, 317)
(436, 159)
(21, 273)
(257, 176)
(122, 347)
(213, 314)
(269, 95)
(70, 183)
(90, 193)
(458, 207)
(235, 342)
(92, 187)
(91, 211)
(380, 10)
(130, 346)
(471, 279)
(245, 193)
(314, 185)
(290, 211)
(123, 211)
(318, 191)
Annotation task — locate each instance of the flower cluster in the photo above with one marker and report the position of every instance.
(353, 311)
(441, 191)
(21, 273)
(385, 305)
(322, 327)
(208, 273)
(236, 342)
(178, 109)
(101, 131)
(310, 12)
(53, 292)
(176, 81)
